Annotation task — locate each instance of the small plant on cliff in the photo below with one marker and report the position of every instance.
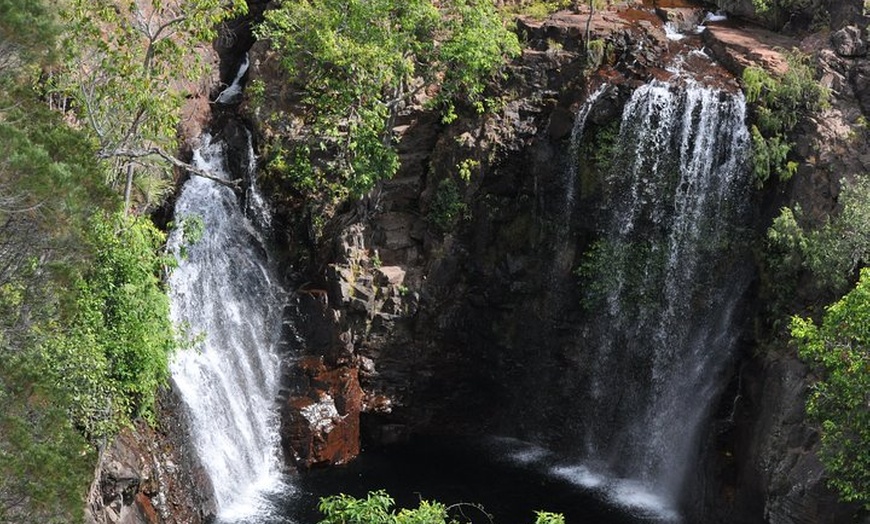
(839, 348)
(778, 104)
(447, 207)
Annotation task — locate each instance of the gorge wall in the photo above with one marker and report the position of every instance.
(422, 321)
(473, 327)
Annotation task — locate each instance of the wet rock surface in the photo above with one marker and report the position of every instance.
(151, 475)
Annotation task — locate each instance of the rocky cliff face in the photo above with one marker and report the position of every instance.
(417, 325)
(472, 329)
(151, 475)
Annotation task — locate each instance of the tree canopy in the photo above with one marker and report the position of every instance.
(839, 348)
(126, 70)
(356, 63)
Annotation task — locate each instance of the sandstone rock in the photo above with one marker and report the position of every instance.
(341, 284)
(860, 79)
(739, 48)
(389, 276)
(320, 425)
(395, 230)
(150, 475)
(847, 42)
(561, 123)
(683, 19)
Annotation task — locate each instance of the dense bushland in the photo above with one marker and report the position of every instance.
(85, 334)
(356, 64)
(825, 260)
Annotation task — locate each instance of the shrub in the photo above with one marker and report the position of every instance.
(839, 348)
(447, 207)
(778, 104)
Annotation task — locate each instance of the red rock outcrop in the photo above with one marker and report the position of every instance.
(321, 426)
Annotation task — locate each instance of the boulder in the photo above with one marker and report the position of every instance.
(682, 19)
(320, 424)
(860, 79)
(389, 276)
(737, 48)
(848, 43)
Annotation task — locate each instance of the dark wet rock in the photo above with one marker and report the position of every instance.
(848, 42)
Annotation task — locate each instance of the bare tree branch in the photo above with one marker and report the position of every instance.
(235, 184)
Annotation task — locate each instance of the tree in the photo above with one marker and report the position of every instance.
(84, 326)
(592, 5)
(27, 30)
(356, 63)
(125, 75)
(839, 348)
(49, 182)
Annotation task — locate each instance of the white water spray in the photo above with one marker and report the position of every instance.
(226, 293)
(674, 274)
(232, 93)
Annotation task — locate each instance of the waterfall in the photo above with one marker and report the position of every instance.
(233, 92)
(665, 279)
(574, 146)
(563, 253)
(225, 293)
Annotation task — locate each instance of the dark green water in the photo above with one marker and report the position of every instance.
(511, 481)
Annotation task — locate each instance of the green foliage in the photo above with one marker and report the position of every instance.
(831, 252)
(778, 104)
(595, 50)
(124, 69)
(377, 508)
(466, 168)
(770, 156)
(537, 9)
(629, 267)
(192, 229)
(447, 206)
(27, 32)
(599, 143)
(112, 351)
(545, 517)
(357, 62)
(84, 326)
(474, 51)
(840, 349)
(814, 13)
(45, 465)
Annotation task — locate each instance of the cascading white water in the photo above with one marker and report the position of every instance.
(574, 146)
(670, 274)
(563, 255)
(226, 294)
(233, 92)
